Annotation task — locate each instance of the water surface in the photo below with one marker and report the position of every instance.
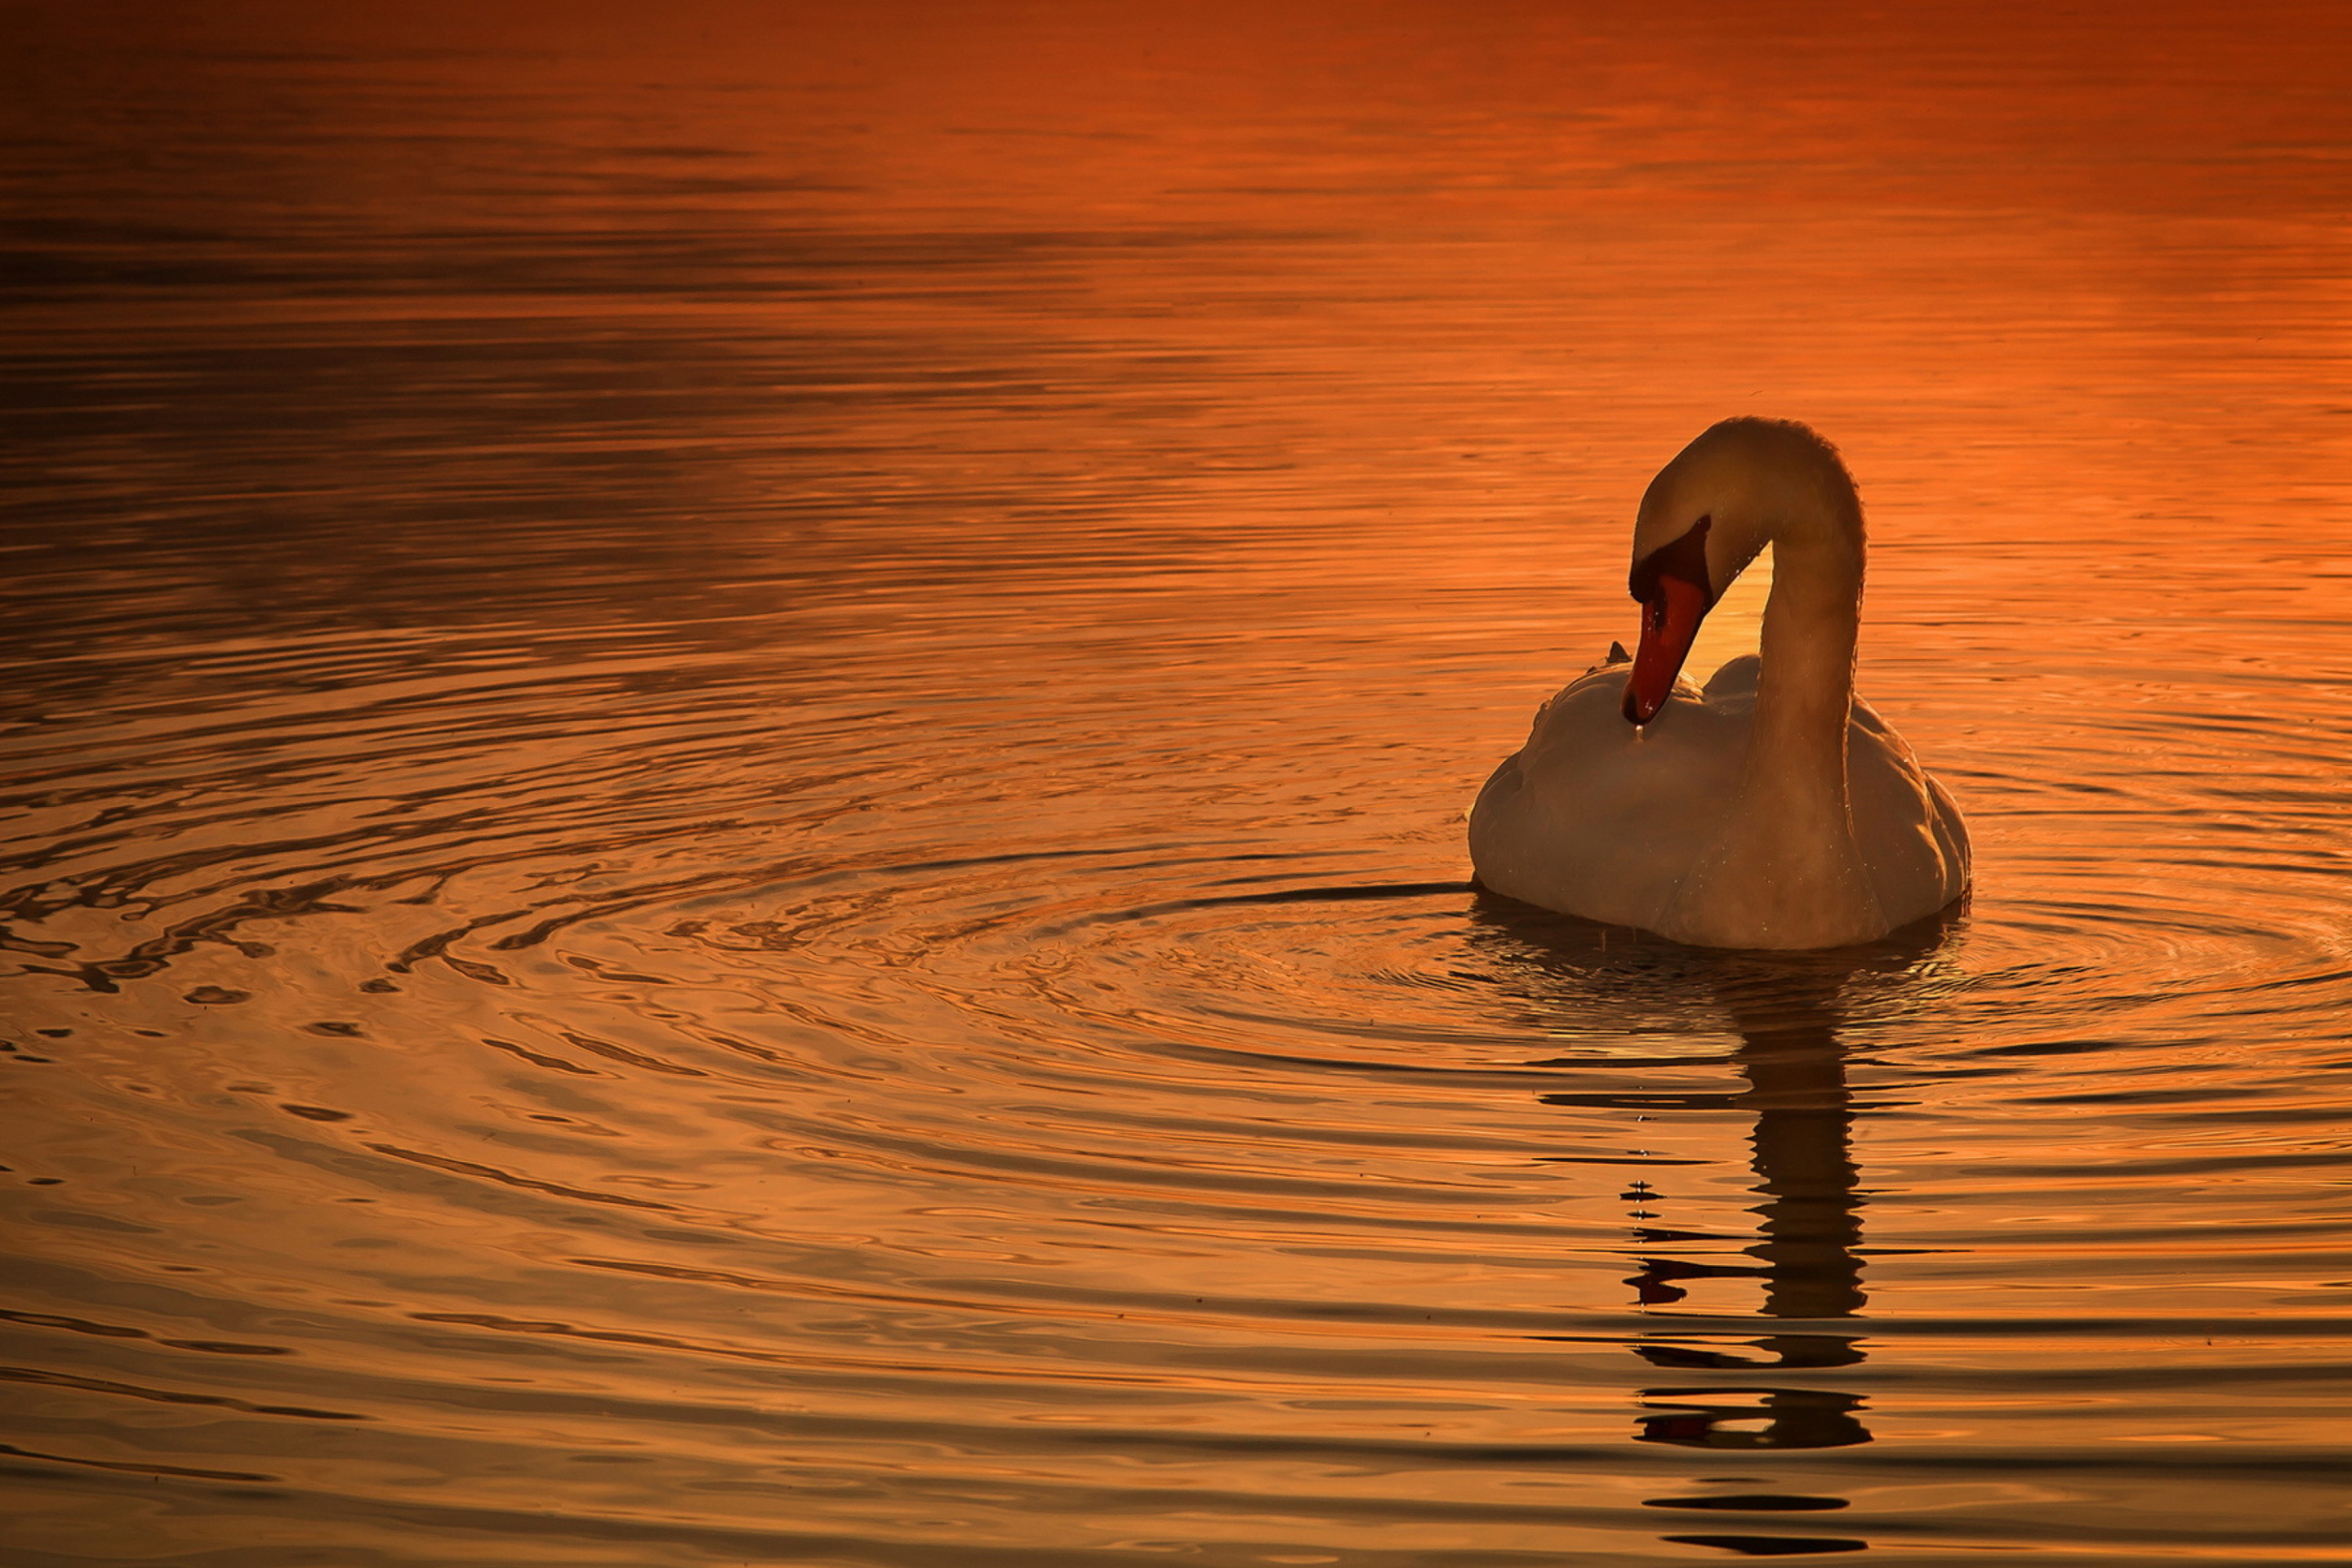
(735, 756)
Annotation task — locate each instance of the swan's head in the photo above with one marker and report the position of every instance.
(1704, 519)
(1675, 590)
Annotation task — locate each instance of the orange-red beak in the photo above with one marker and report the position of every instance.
(1669, 626)
(1672, 584)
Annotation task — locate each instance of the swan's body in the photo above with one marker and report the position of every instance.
(1773, 809)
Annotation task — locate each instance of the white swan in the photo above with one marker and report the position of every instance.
(1774, 809)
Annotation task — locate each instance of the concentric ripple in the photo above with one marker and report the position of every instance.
(783, 1135)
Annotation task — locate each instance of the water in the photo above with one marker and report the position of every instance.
(735, 756)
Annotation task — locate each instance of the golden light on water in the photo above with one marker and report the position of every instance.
(735, 746)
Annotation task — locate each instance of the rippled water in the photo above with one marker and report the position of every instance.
(735, 761)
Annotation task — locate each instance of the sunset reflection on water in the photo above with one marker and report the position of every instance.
(735, 756)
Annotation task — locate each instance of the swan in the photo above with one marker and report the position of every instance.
(1773, 808)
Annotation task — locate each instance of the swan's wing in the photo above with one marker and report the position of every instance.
(1596, 818)
(1734, 681)
(1905, 822)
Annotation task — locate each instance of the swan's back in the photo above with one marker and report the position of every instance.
(1597, 818)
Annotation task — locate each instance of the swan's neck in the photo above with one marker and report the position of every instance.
(1804, 693)
(1785, 870)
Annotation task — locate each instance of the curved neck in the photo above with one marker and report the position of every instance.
(1804, 693)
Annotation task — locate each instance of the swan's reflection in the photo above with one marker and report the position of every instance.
(1811, 1218)
(1810, 1226)
(1806, 1251)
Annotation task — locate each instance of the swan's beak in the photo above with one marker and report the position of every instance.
(1669, 624)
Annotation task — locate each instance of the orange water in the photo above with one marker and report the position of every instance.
(735, 747)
